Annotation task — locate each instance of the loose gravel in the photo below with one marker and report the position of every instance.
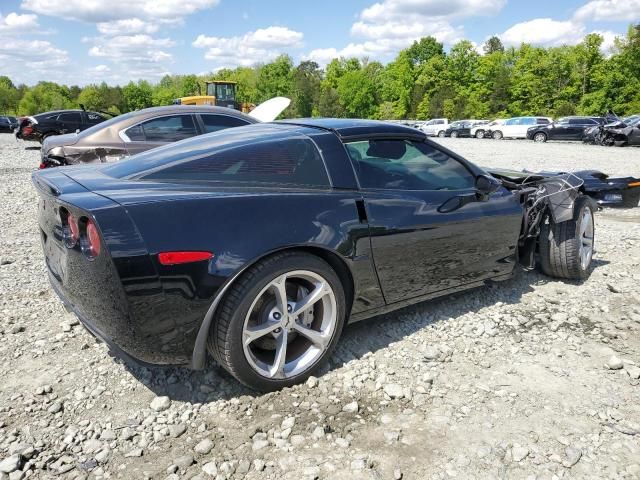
(529, 378)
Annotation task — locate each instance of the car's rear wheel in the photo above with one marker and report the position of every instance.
(480, 134)
(454, 134)
(279, 321)
(539, 137)
(497, 135)
(631, 198)
(566, 248)
(441, 133)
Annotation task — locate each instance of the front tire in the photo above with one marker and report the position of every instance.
(279, 321)
(480, 134)
(441, 134)
(454, 134)
(497, 135)
(566, 249)
(631, 198)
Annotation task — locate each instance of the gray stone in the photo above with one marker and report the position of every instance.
(633, 371)
(351, 407)
(160, 404)
(519, 453)
(393, 390)
(614, 363)
(10, 464)
(136, 452)
(204, 446)
(210, 469)
(572, 456)
(185, 461)
(177, 430)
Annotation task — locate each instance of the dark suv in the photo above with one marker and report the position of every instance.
(43, 125)
(8, 124)
(567, 128)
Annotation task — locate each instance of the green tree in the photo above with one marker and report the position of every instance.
(137, 95)
(492, 45)
(423, 50)
(306, 78)
(275, 79)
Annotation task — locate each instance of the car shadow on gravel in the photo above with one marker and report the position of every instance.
(358, 339)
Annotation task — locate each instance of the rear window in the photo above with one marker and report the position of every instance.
(542, 121)
(295, 161)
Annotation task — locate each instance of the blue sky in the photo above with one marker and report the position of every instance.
(87, 41)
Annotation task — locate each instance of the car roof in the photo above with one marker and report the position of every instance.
(349, 127)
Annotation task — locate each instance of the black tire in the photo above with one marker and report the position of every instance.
(225, 338)
(540, 137)
(497, 135)
(441, 134)
(560, 244)
(479, 134)
(454, 134)
(631, 198)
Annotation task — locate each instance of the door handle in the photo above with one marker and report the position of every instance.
(362, 211)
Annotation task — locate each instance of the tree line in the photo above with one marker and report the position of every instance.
(423, 81)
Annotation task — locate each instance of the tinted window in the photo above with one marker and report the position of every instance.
(164, 129)
(290, 161)
(563, 121)
(542, 121)
(512, 121)
(94, 118)
(581, 121)
(213, 123)
(12, 119)
(407, 165)
(70, 117)
(528, 121)
(4, 120)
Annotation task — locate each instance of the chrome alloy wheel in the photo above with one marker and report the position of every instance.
(290, 324)
(586, 238)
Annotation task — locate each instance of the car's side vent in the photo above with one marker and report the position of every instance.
(362, 211)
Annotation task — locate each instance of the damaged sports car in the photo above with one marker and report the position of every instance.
(257, 244)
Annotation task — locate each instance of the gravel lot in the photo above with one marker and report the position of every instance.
(531, 378)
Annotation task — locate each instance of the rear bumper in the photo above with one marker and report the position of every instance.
(94, 329)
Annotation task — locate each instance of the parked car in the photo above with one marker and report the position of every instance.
(517, 127)
(149, 128)
(462, 128)
(619, 132)
(435, 127)
(480, 131)
(258, 243)
(44, 125)
(567, 128)
(8, 123)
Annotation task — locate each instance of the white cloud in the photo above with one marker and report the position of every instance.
(391, 25)
(261, 45)
(609, 40)
(127, 26)
(429, 9)
(97, 11)
(29, 61)
(137, 56)
(609, 10)
(15, 23)
(543, 31)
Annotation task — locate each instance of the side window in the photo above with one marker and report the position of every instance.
(164, 129)
(94, 118)
(511, 121)
(294, 161)
(528, 121)
(70, 117)
(542, 121)
(213, 123)
(407, 165)
(580, 121)
(563, 121)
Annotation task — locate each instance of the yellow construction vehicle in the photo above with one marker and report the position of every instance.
(219, 93)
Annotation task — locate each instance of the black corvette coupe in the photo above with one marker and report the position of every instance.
(257, 244)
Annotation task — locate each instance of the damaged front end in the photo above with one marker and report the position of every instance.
(545, 198)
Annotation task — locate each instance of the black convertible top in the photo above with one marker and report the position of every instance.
(347, 127)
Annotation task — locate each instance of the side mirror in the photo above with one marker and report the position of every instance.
(486, 184)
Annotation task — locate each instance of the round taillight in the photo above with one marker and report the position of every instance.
(93, 240)
(71, 231)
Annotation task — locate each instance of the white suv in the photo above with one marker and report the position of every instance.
(517, 127)
(435, 127)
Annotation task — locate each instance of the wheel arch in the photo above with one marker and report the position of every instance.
(335, 261)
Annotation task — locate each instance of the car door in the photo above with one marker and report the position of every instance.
(559, 130)
(69, 122)
(158, 131)
(419, 245)
(509, 127)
